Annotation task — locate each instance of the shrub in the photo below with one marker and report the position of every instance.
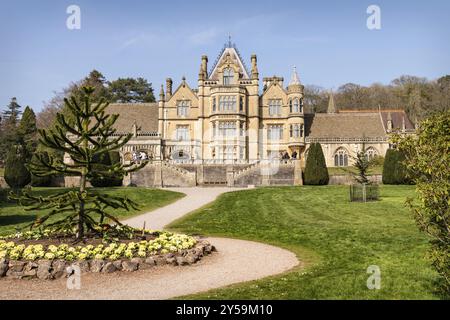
(40, 181)
(427, 160)
(111, 180)
(316, 172)
(394, 171)
(17, 175)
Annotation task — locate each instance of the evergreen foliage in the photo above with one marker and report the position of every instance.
(17, 175)
(316, 172)
(394, 171)
(91, 136)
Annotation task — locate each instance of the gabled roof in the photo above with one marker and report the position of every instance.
(235, 55)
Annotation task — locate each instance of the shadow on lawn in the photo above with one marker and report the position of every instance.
(15, 219)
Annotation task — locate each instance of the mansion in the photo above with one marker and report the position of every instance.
(230, 119)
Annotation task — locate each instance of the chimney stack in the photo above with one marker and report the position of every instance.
(169, 88)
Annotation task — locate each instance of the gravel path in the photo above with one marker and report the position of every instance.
(195, 198)
(235, 261)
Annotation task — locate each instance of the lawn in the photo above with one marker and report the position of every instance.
(336, 241)
(13, 216)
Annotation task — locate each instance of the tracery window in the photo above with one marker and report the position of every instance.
(371, 153)
(341, 158)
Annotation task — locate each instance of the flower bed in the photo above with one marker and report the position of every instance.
(21, 257)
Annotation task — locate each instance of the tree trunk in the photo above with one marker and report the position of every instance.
(80, 231)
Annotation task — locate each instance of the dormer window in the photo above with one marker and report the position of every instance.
(228, 75)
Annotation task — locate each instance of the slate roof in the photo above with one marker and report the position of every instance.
(144, 114)
(344, 125)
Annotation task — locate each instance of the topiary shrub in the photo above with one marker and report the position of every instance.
(40, 181)
(112, 180)
(316, 172)
(394, 171)
(17, 175)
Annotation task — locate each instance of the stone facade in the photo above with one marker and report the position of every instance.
(213, 133)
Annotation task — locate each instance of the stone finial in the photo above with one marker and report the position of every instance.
(161, 94)
(403, 124)
(389, 122)
(331, 104)
(295, 79)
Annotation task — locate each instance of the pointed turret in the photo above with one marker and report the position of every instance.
(295, 79)
(331, 104)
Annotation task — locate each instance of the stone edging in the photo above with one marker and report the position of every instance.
(49, 270)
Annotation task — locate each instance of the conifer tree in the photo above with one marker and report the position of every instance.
(17, 175)
(316, 172)
(92, 136)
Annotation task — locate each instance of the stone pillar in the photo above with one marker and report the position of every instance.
(298, 179)
(230, 176)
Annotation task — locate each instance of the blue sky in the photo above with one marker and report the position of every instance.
(328, 41)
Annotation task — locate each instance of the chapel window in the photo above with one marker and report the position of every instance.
(341, 158)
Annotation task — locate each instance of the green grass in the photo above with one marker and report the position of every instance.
(13, 216)
(336, 241)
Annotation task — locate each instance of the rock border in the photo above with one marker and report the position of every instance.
(55, 269)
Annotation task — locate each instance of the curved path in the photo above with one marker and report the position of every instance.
(235, 261)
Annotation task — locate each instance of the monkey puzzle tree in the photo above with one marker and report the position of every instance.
(89, 139)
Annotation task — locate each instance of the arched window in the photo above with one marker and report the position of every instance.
(371, 153)
(228, 75)
(341, 158)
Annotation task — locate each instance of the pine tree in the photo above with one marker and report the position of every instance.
(9, 137)
(17, 175)
(362, 165)
(92, 136)
(316, 172)
(12, 113)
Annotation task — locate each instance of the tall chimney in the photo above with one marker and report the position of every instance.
(168, 88)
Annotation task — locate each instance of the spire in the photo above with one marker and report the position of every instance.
(331, 104)
(295, 80)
